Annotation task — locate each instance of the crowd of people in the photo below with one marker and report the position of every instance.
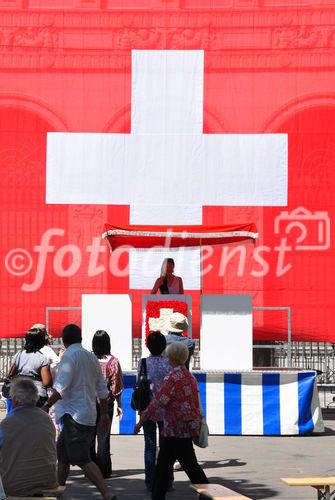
(82, 390)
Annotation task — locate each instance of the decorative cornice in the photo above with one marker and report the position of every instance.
(177, 18)
(215, 62)
(97, 41)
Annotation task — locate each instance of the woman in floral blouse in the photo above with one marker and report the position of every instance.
(158, 367)
(112, 372)
(178, 399)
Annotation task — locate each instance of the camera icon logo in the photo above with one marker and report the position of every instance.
(312, 228)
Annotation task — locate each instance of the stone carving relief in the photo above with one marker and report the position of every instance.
(126, 39)
(86, 221)
(175, 38)
(31, 38)
(304, 37)
(45, 41)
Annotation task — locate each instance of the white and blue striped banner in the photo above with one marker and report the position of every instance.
(247, 403)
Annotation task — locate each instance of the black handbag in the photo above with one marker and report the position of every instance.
(141, 396)
(5, 390)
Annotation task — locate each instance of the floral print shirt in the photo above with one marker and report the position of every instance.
(179, 400)
(112, 372)
(157, 369)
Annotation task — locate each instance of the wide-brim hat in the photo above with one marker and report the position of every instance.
(38, 326)
(178, 323)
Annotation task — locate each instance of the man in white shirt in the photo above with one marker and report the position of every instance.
(79, 382)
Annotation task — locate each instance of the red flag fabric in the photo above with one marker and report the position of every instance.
(177, 236)
(267, 69)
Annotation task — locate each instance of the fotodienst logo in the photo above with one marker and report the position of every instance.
(311, 230)
(295, 231)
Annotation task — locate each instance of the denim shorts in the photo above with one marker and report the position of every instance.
(73, 445)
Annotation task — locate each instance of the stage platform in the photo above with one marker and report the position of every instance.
(247, 402)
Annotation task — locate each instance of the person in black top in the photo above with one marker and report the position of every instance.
(168, 283)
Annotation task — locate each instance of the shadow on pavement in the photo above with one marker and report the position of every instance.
(216, 464)
(128, 487)
(125, 488)
(207, 464)
(256, 491)
(328, 432)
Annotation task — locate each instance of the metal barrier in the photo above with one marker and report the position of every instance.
(278, 345)
(312, 355)
(305, 355)
(59, 308)
(8, 347)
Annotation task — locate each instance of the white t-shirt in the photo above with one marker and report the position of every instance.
(79, 381)
(50, 354)
(30, 364)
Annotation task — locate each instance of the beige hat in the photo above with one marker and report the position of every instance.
(178, 323)
(38, 326)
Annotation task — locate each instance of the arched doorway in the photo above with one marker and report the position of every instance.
(307, 286)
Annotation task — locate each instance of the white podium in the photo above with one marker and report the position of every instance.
(226, 332)
(112, 313)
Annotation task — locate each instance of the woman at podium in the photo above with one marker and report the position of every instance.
(168, 283)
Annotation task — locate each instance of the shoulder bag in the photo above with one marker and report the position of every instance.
(141, 393)
(5, 390)
(202, 440)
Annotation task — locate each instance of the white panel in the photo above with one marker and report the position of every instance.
(226, 332)
(252, 404)
(112, 313)
(316, 411)
(145, 266)
(215, 402)
(165, 214)
(241, 169)
(167, 91)
(247, 167)
(289, 406)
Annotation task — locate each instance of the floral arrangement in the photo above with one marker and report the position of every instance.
(157, 314)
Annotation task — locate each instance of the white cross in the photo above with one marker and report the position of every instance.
(166, 169)
(162, 323)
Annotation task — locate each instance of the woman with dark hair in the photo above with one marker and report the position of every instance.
(53, 359)
(31, 363)
(157, 368)
(47, 350)
(111, 369)
(168, 283)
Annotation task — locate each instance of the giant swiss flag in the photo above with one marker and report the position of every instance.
(167, 136)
